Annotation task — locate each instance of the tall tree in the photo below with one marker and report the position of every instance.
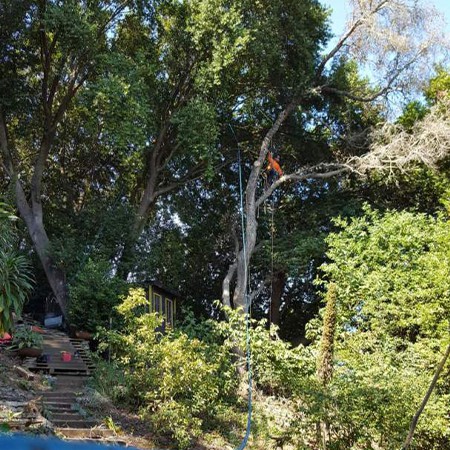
(395, 63)
(49, 51)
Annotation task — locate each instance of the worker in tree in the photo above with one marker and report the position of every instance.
(274, 170)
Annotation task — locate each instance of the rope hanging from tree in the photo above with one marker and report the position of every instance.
(244, 442)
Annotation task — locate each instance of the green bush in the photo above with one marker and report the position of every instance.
(15, 272)
(392, 271)
(277, 367)
(24, 337)
(93, 296)
(177, 381)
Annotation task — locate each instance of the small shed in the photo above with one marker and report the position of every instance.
(163, 301)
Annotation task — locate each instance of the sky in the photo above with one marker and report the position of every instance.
(339, 15)
(340, 11)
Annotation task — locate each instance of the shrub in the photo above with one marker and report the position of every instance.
(15, 278)
(93, 295)
(26, 338)
(177, 381)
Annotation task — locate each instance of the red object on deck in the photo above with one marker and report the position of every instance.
(37, 329)
(5, 338)
(66, 356)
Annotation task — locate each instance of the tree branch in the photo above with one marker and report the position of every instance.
(331, 90)
(113, 16)
(195, 173)
(344, 39)
(415, 419)
(336, 48)
(305, 174)
(383, 91)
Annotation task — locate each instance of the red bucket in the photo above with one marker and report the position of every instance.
(66, 356)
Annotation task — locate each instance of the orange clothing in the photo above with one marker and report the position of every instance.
(273, 164)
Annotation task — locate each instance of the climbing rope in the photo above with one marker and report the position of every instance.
(272, 232)
(244, 442)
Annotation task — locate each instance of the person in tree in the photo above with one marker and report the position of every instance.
(274, 170)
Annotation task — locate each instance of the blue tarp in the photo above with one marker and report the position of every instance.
(15, 442)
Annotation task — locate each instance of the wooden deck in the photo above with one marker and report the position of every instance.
(54, 344)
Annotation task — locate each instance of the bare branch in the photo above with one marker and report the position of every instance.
(352, 96)
(337, 48)
(400, 41)
(395, 148)
(345, 37)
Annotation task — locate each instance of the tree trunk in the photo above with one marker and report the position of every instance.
(35, 226)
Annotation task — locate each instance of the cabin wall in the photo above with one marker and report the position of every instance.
(161, 302)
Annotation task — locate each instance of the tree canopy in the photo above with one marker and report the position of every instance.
(125, 130)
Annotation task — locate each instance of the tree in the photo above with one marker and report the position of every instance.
(49, 52)
(369, 24)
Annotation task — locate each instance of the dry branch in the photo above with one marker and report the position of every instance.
(395, 148)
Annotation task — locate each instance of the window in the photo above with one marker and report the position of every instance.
(169, 312)
(157, 303)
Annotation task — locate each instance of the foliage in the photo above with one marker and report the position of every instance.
(393, 302)
(439, 86)
(24, 337)
(108, 379)
(326, 354)
(184, 381)
(15, 276)
(177, 382)
(276, 365)
(412, 112)
(94, 293)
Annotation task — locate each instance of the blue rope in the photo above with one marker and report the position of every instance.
(244, 442)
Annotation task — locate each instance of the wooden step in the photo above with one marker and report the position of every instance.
(58, 404)
(90, 433)
(58, 394)
(67, 416)
(59, 408)
(59, 401)
(80, 423)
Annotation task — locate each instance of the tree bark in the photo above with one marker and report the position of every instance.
(55, 276)
(244, 256)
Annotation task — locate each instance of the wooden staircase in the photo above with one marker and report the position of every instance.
(60, 405)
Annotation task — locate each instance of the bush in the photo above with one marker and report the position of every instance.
(15, 278)
(93, 296)
(177, 382)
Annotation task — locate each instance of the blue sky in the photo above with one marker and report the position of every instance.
(340, 12)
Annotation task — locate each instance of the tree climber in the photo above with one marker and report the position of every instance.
(273, 169)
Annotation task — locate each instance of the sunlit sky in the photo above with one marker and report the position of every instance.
(339, 13)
